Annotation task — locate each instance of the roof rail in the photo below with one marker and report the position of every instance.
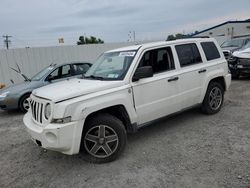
(200, 37)
(190, 37)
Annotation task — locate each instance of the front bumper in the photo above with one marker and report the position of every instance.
(239, 66)
(64, 138)
(8, 103)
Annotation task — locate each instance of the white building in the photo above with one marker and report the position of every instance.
(227, 30)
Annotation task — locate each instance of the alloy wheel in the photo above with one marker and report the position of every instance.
(215, 98)
(26, 104)
(101, 141)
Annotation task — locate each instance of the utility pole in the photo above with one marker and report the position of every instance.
(131, 36)
(7, 41)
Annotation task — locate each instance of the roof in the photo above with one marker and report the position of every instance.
(228, 22)
(155, 44)
(69, 63)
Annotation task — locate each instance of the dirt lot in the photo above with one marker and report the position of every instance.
(187, 150)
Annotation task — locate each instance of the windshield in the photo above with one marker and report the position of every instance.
(246, 46)
(233, 43)
(111, 66)
(42, 73)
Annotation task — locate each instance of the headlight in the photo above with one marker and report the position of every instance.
(4, 94)
(240, 66)
(62, 120)
(47, 110)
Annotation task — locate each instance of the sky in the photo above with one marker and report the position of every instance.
(41, 22)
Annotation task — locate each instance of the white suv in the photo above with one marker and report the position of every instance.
(125, 90)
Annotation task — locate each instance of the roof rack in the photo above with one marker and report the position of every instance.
(199, 37)
(190, 37)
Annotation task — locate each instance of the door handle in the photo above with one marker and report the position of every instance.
(173, 79)
(202, 71)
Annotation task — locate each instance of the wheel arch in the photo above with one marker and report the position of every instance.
(20, 98)
(219, 79)
(119, 111)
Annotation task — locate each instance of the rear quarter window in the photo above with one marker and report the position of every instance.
(210, 50)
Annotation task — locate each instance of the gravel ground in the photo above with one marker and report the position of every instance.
(187, 150)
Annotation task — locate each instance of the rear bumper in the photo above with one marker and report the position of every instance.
(228, 79)
(64, 138)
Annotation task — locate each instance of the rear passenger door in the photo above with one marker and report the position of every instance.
(192, 74)
(157, 96)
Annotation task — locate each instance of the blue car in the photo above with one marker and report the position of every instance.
(16, 95)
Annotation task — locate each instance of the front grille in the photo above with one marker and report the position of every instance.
(37, 109)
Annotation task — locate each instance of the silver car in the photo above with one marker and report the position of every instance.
(16, 95)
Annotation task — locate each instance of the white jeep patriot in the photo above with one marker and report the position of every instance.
(124, 90)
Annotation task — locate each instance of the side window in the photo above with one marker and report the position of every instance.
(54, 75)
(80, 68)
(160, 59)
(210, 50)
(188, 54)
(66, 72)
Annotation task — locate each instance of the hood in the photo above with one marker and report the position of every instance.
(73, 88)
(229, 48)
(242, 53)
(17, 88)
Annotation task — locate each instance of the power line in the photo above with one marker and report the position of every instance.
(7, 41)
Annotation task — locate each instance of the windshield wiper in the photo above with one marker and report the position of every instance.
(94, 77)
(230, 46)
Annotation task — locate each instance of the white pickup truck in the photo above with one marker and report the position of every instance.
(124, 90)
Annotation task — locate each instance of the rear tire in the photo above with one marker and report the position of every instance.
(104, 138)
(214, 98)
(23, 103)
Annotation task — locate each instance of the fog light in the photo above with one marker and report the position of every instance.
(50, 137)
(240, 66)
(62, 120)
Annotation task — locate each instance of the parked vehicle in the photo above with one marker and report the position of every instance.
(229, 46)
(124, 90)
(15, 96)
(239, 62)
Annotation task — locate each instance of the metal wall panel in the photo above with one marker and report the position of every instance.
(32, 60)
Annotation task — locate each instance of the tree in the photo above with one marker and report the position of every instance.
(89, 40)
(177, 36)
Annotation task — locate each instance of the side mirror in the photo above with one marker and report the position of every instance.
(143, 72)
(49, 78)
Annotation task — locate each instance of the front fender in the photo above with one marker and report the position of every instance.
(81, 109)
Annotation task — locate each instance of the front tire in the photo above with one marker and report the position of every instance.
(214, 98)
(103, 139)
(23, 103)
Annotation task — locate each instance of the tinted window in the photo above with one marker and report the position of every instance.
(160, 60)
(210, 50)
(188, 54)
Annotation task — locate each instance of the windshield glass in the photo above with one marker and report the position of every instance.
(42, 73)
(233, 43)
(111, 66)
(246, 46)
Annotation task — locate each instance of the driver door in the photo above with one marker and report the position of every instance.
(157, 96)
